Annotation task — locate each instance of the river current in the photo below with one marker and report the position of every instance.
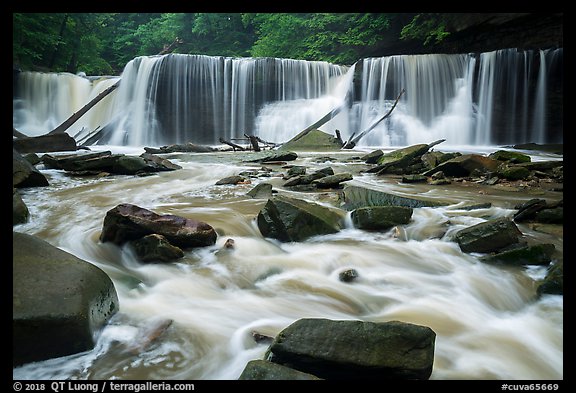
(489, 322)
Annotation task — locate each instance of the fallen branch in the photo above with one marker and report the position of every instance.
(325, 119)
(72, 119)
(253, 141)
(353, 141)
(233, 145)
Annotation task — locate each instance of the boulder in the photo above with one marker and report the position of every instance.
(59, 302)
(158, 164)
(274, 156)
(25, 174)
(380, 217)
(553, 283)
(348, 275)
(527, 211)
(261, 191)
(66, 161)
(128, 222)
(433, 158)
(87, 162)
(45, 143)
(296, 170)
(414, 179)
(263, 370)
(20, 211)
(550, 216)
(156, 248)
(231, 180)
(513, 157)
(290, 220)
(308, 179)
(537, 254)
(355, 197)
(129, 165)
(489, 236)
(512, 172)
(372, 157)
(355, 350)
(182, 148)
(465, 164)
(32, 158)
(332, 181)
(314, 140)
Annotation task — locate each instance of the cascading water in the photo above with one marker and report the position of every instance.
(44, 100)
(489, 321)
(500, 97)
(183, 98)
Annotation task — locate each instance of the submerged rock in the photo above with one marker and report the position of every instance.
(59, 302)
(355, 350)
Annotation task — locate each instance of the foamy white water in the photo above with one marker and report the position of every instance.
(489, 322)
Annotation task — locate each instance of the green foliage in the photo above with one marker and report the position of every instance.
(103, 43)
(426, 27)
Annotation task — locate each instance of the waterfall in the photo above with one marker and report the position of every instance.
(499, 97)
(183, 98)
(43, 101)
(437, 103)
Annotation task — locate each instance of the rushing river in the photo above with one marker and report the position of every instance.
(489, 322)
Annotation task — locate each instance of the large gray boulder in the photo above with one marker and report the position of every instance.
(25, 174)
(290, 220)
(380, 217)
(59, 302)
(263, 370)
(355, 197)
(358, 350)
(489, 236)
(128, 222)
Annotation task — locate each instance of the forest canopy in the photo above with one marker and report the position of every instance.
(102, 43)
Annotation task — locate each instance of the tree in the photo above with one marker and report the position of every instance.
(429, 28)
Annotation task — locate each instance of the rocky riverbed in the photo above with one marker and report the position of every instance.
(515, 204)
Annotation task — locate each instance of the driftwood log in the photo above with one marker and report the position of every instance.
(354, 140)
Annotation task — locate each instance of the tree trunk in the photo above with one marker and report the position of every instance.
(353, 141)
(253, 141)
(325, 119)
(74, 118)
